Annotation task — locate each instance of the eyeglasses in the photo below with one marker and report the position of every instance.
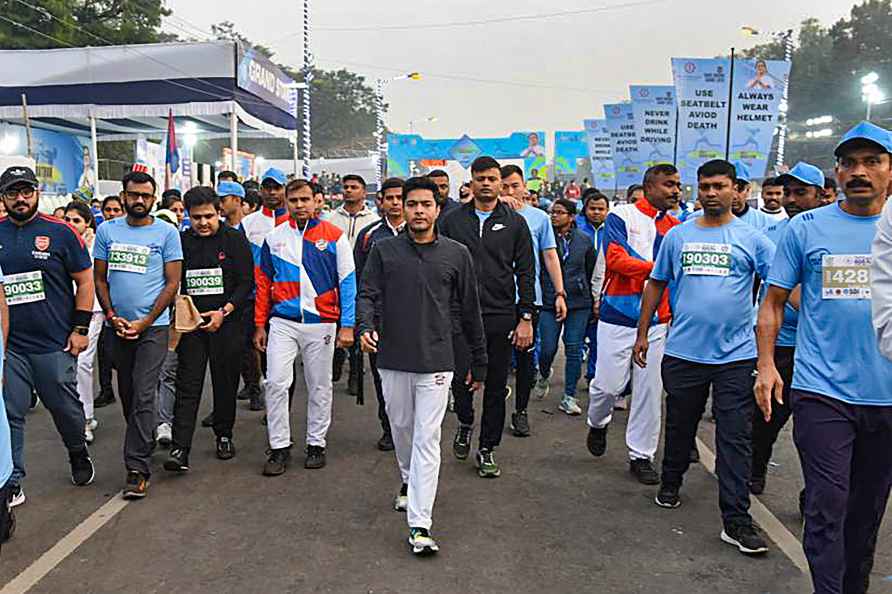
(27, 192)
(144, 196)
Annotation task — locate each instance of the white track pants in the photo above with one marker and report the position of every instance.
(315, 343)
(416, 404)
(615, 367)
(85, 364)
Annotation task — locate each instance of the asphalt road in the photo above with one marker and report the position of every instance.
(557, 520)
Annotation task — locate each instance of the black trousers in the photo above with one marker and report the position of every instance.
(526, 372)
(687, 387)
(7, 515)
(498, 350)
(223, 350)
(105, 359)
(250, 361)
(379, 393)
(765, 434)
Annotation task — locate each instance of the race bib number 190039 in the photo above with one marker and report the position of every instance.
(126, 257)
(204, 281)
(25, 287)
(706, 259)
(845, 276)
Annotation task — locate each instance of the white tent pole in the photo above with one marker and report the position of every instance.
(94, 150)
(233, 137)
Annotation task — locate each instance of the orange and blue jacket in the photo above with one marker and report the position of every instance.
(634, 233)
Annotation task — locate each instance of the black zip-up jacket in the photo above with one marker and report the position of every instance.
(228, 250)
(410, 294)
(501, 252)
(367, 238)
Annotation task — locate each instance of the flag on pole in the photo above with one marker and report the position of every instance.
(172, 161)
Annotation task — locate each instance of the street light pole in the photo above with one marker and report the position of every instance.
(379, 131)
(308, 78)
(784, 106)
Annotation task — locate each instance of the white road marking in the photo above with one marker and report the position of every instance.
(766, 520)
(67, 545)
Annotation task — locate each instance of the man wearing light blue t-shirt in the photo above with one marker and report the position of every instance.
(138, 261)
(710, 263)
(740, 208)
(7, 519)
(544, 249)
(842, 385)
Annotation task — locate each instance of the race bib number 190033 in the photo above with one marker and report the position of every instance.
(706, 259)
(25, 287)
(845, 276)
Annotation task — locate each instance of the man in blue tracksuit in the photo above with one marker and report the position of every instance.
(590, 221)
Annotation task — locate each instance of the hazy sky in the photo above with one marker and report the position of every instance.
(551, 72)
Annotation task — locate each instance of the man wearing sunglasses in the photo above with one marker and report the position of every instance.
(41, 257)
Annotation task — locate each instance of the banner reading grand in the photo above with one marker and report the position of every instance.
(654, 109)
(701, 86)
(598, 139)
(624, 144)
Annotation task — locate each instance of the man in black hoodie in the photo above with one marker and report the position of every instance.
(502, 250)
(417, 290)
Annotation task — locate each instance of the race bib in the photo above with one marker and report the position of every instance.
(25, 287)
(845, 276)
(204, 281)
(126, 257)
(706, 259)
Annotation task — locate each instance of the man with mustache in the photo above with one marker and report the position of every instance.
(138, 260)
(842, 385)
(802, 187)
(41, 257)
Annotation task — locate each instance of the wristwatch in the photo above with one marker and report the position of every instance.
(560, 294)
(526, 317)
(82, 330)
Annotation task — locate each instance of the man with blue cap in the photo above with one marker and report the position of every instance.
(842, 385)
(803, 190)
(231, 195)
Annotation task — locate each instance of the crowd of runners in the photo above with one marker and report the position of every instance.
(766, 313)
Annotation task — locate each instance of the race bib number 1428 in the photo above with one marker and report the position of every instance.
(845, 276)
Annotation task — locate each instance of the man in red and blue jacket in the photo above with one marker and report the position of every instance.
(634, 233)
(306, 291)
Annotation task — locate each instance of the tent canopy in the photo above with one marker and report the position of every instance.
(130, 89)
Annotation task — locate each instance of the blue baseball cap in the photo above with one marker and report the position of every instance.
(742, 171)
(805, 173)
(228, 188)
(277, 175)
(865, 131)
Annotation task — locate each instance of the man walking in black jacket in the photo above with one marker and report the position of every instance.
(414, 287)
(502, 250)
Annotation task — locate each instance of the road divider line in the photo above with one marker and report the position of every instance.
(766, 520)
(67, 545)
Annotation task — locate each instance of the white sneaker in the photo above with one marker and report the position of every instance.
(401, 502)
(568, 405)
(18, 497)
(541, 388)
(88, 433)
(620, 403)
(164, 434)
(92, 423)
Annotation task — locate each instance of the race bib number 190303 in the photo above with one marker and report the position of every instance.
(706, 259)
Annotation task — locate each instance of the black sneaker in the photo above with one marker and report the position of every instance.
(667, 497)
(82, 472)
(520, 424)
(248, 392)
(643, 469)
(757, 485)
(385, 444)
(256, 403)
(487, 467)
(225, 448)
(137, 486)
(277, 461)
(337, 367)
(597, 441)
(422, 543)
(461, 445)
(694, 456)
(105, 398)
(315, 457)
(177, 461)
(208, 421)
(746, 538)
